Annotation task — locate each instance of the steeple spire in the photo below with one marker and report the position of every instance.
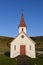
(22, 22)
(22, 26)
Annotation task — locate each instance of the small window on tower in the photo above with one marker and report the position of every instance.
(22, 29)
(15, 47)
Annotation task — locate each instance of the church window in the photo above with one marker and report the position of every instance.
(22, 36)
(15, 47)
(22, 29)
(30, 47)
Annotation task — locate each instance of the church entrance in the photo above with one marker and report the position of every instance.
(22, 49)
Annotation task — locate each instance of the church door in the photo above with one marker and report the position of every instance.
(22, 49)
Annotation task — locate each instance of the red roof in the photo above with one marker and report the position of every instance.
(22, 22)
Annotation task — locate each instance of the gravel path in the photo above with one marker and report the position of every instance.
(23, 60)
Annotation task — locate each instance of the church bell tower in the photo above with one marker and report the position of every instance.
(22, 26)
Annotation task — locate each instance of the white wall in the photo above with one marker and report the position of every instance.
(22, 41)
(20, 29)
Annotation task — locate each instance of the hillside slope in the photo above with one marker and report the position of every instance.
(39, 41)
(4, 43)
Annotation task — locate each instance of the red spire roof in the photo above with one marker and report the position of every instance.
(22, 22)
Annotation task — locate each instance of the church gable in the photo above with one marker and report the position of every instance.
(22, 38)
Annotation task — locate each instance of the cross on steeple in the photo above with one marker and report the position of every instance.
(22, 12)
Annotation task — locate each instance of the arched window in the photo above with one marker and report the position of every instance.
(30, 47)
(22, 29)
(14, 47)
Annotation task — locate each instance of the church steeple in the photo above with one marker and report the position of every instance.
(22, 22)
(22, 26)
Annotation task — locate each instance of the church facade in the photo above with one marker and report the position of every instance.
(22, 44)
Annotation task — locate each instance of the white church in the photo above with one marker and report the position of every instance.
(22, 44)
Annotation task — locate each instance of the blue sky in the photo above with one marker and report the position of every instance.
(10, 14)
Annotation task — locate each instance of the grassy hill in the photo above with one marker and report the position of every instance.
(4, 43)
(39, 42)
(5, 46)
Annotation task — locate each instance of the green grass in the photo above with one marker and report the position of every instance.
(7, 61)
(37, 61)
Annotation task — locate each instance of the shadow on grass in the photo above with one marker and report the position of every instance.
(7, 53)
(23, 60)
